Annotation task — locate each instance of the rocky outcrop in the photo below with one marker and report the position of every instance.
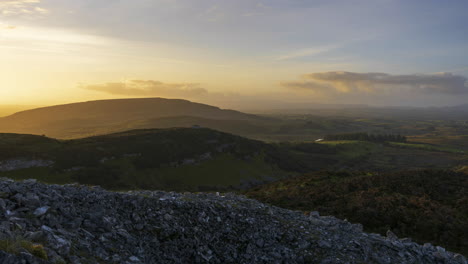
(81, 224)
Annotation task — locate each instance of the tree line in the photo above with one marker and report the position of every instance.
(366, 137)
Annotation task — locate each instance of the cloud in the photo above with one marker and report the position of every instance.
(6, 26)
(149, 88)
(340, 82)
(306, 52)
(19, 7)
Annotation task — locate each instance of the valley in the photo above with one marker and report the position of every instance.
(404, 175)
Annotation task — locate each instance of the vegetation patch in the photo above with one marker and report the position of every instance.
(366, 137)
(427, 147)
(427, 205)
(17, 244)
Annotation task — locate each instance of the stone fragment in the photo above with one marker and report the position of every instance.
(41, 210)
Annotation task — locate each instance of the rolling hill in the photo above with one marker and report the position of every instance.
(171, 159)
(428, 205)
(107, 116)
(79, 120)
(194, 159)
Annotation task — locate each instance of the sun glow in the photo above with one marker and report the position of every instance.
(27, 37)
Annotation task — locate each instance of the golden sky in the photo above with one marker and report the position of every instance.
(237, 54)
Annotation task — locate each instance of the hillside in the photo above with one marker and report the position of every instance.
(198, 159)
(82, 224)
(355, 155)
(170, 159)
(6, 110)
(79, 120)
(383, 112)
(426, 205)
(107, 116)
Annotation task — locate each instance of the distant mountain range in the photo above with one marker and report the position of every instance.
(107, 116)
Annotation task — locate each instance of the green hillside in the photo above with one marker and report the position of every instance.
(170, 159)
(426, 205)
(368, 156)
(193, 159)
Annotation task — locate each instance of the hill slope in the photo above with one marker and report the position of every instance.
(170, 159)
(107, 116)
(427, 205)
(78, 224)
(197, 159)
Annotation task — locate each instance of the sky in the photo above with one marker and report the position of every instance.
(235, 53)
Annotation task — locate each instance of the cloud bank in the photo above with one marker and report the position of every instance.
(340, 82)
(149, 88)
(337, 87)
(188, 91)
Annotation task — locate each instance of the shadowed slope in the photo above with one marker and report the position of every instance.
(427, 205)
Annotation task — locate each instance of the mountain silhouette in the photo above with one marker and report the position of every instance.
(106, 116)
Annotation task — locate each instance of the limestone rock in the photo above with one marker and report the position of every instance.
(82, 224)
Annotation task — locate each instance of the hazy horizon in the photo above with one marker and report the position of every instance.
(235, 54)
(7, 110)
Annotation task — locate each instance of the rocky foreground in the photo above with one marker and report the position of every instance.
(80, 224)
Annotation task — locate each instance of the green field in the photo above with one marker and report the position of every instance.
(168, 159)
(427, 147)
(45, 175)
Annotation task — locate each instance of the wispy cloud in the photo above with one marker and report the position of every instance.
(148, 88)
(6, 26)
(306, 52)
(18, 7)
(46, 40)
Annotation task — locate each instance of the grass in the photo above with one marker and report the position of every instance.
(26, 144)
(427, 147)
(222, 171)
(42, 174)
(339, 142)
(17, 244)
(352, 149)
(142, 158)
